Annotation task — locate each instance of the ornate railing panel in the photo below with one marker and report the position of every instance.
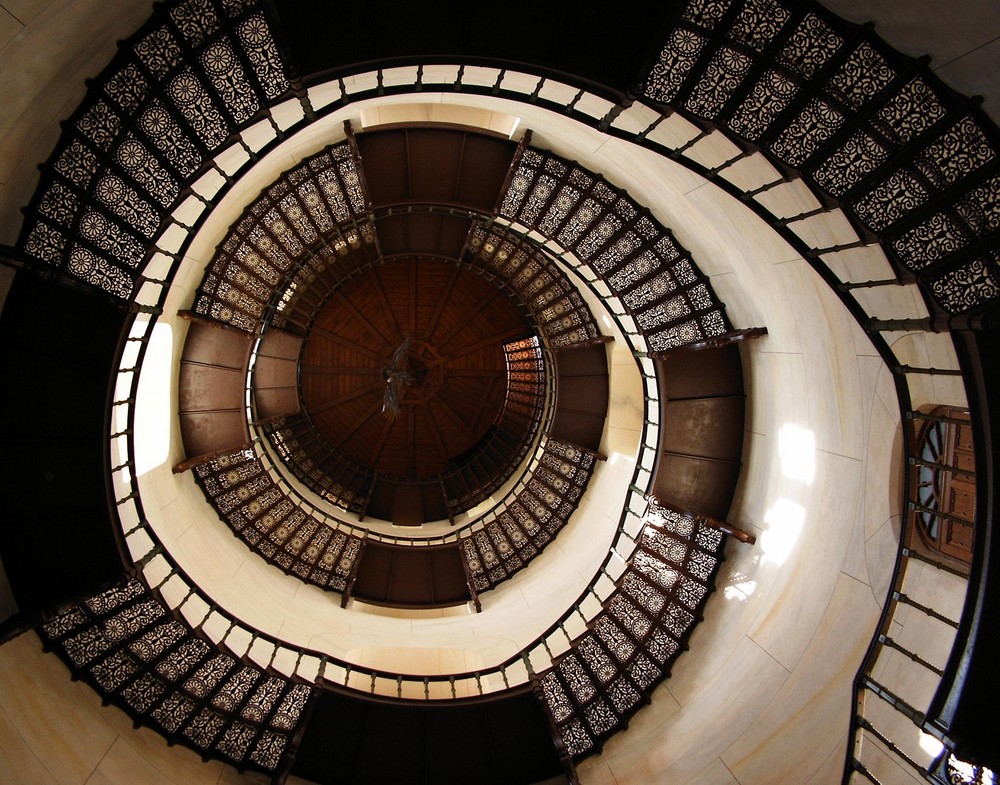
(874, 131)
(299, 445)
(297, 218)
(178, 91)
(562, 316)
(126, 643)
(971, 269)
(267, 269)
(261, 514)
(488, 466)
(535, 516)
(644, 625)
(644, 267)
(915, 168)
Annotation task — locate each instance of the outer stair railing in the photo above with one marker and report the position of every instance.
(811, 85)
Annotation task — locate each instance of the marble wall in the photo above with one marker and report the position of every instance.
(764, 694)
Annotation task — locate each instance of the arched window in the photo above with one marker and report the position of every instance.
(943, 500)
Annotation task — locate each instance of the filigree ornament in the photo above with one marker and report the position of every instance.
(397, 376)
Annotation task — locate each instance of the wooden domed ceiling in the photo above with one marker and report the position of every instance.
(454, 325)
(401, 371)
(400, 310)
(404, 330)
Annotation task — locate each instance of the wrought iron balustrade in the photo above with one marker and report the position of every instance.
(801, 79)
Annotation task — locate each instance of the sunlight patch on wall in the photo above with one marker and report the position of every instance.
(797, 452)
(784, 519)
(930, 745)
(152, 404)
(740, 590)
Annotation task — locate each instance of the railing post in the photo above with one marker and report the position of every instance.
(906, 369)
(848, 285)
(817, 252)
(930, 324)
(715, 170)
(905, 599)
(946, 467)
(931, 417)
(885, 640)
(469, 582)
(749, 195)
(904, 708)
(802, 216)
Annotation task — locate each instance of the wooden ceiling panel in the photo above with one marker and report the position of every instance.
(213, 344)
(423, 232)
(433, 281)
(278, 343)
(455, 364)
(493, 329)
(392, 236)
(484, 169)
(435, 157)
(441, 165)
(327, 386)
(384, 161)
(454, 231)
(457, 322)
(367, 314)
(466, 396)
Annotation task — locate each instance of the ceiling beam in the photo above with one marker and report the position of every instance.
(345, 398)
(342, 341)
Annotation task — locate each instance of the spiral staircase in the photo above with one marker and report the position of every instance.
(202, 98)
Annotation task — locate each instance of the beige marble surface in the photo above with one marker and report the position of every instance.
(46, 51)
(802, 725)
(513, 615)
(824, 538)
(54, 731)
(791, 612)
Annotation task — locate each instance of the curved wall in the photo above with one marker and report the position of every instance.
(764, 694)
